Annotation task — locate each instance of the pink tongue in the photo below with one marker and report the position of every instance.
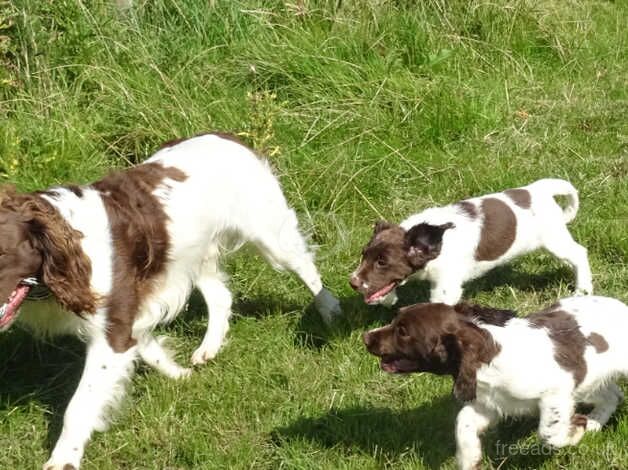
(382, 292)
(14, 302)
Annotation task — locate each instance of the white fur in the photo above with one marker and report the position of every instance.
(230, 197)
(543, 225)
(524, 378)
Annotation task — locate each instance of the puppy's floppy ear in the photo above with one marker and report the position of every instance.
(381, 225)
(476, 348)
(424, 242)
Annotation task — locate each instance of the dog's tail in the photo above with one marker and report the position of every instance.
(557, 187)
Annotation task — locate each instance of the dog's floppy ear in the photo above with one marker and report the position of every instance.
(476, 348)
(424, 242)
(381, 225)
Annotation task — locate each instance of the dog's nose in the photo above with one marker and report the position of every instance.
(367, 338)
(355, 282)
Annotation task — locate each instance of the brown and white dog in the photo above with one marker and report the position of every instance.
(121, 255)
(569, 353)
(451, 245)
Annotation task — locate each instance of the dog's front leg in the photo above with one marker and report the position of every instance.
(102, 385)
(471, 422)
(559, 426)
(446, 290)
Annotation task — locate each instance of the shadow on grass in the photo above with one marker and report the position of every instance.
(44, 373)
(313, 333)
(426, 432)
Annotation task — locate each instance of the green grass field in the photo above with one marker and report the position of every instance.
(367, 110)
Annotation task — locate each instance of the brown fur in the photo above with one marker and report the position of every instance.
(498, 230)
(393, 254)
(598, 342)
(433, 337)
(488, 315)
(140, 241)
(569, 342)
(468, 208)
(63, 266)
(521, 197)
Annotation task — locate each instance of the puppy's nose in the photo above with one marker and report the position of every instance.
(367, 338)
(355, 282)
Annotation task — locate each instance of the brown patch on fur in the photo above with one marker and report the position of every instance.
(77, 190)
(468, 208)
(140, 242)
(68, 466)
(569, 342)
(598, 342)
(487, 315)
(433, 337)
(63, 265)
(521, 197)
(498, 230)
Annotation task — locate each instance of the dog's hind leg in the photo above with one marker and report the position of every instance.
(284, 247)
(101, 387)
(154, 352)
(218, 300)
(561, 244)
(605, 402)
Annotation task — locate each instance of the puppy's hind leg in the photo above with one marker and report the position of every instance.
(218, 300)
(561, 244)
(284, 246)
(605, 402)
(153, 351)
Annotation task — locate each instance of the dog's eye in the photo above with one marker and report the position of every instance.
(381, 263)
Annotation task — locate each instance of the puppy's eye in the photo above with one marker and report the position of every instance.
(381, 263)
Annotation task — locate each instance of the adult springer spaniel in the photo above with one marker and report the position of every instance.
(571, 352)
(121, 255)
(451, 245)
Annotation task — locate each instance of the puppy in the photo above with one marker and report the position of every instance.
(569, 353)
(451, 245)
(121, 255)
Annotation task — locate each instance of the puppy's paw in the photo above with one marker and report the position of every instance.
(205, 353)
(50, 465)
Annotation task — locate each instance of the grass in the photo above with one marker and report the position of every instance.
(367, 110)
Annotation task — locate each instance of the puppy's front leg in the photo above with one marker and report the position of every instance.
(559, 426)
(471, 422)
(101, 386)
(446, 290)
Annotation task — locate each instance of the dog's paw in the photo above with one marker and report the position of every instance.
(59, 466)
(181, 373)
(204, 353)
(578, 428)
(593, 425)
(327, 305)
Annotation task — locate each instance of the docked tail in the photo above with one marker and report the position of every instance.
(557, 187)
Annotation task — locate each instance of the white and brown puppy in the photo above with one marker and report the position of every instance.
(569, 353)
(121, 256)
(451, 245)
